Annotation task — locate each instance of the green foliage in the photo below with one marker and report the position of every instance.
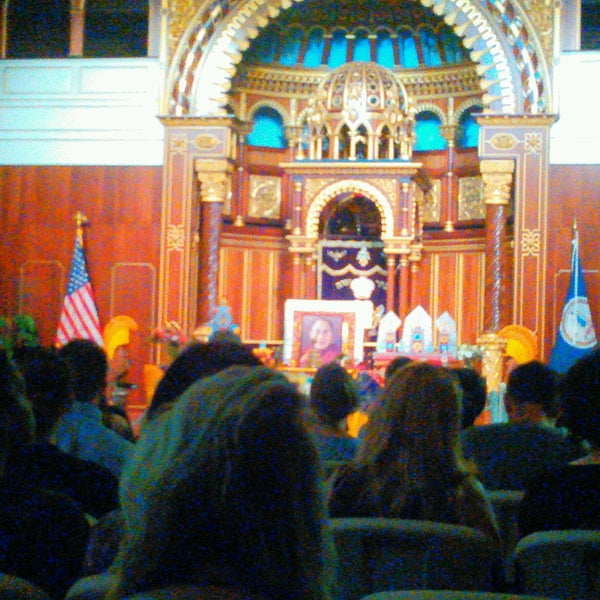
(18, 331)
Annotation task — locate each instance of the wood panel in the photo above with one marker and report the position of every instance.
(453, 279)
(37, 228)
(573, 195)
(251, 282)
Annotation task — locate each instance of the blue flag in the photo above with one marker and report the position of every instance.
(576, 336)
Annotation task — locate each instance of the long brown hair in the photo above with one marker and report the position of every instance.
(413, 439)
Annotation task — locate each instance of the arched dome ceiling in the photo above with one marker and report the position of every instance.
(502, 41)
(295, 52)
(328, 33)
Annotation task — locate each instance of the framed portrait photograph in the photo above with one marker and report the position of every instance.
(317, 332)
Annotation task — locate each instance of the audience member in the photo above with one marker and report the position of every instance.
(197, 361)
(569, 497)
(394, 365)
(409, 464)
(474, 394)
(81, 431)
(507, 454)
(49, 388)
(222, 494)
(333, 397)
(43, 535)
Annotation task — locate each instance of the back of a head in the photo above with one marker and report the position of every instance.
(580, 395)
(534, 383)
(196, 362)
(49, 385)
(419, 416)
(16, 417)
(231, 492)
(333, 393)
(474, 394)
(89, 366)
(395, 364)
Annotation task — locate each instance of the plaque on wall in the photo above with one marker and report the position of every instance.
(470, 199)
(265, 197)
(429, 202)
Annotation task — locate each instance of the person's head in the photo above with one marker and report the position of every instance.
(17, 424)
(49, 385)
(197, 361)
(474, 394)
(333, 394)
(417, 425)
(394, 365)
(580, 396)
(89, 366)
(224, 489)
(119, 364)
(531, 394)
(321, 334)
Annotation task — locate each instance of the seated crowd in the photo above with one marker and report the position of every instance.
(226, 492)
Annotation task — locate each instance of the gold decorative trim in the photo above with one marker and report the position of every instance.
(175, 237)
(368, 190)
(530, 242)
(503, 141)
(420, 84)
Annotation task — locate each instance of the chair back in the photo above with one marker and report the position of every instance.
(93, 587)
(560, 564)
(378, 554)
(447, 595)
(16, 588)
(506, 508)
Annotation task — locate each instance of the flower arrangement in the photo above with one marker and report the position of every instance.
(171, 337)
(18, 331)
(469, 353)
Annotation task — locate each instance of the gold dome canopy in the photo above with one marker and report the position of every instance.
(361, 111)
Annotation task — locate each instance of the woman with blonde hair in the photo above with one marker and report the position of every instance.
(222, 496)
(410, 463)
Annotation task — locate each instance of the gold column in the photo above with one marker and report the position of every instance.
(311, 276)
(391, 284)
(215, 185)
(492, 363)
(449, 132)
(497, 178)
(404, 287)
(77, 27)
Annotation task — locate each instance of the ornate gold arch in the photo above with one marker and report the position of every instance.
(349, 185)
(217, 33)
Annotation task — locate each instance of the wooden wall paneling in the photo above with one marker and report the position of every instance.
(454, 278)
(232, 285)
(573, 195)
(122, 205)
(133, 293)
(42, 284)
(250, 282)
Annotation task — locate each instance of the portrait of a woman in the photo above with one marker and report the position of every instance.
(324, 344)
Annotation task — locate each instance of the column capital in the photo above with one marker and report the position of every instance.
(497, 176)
(215, 179)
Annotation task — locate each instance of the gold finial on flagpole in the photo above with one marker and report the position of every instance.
(80, 219)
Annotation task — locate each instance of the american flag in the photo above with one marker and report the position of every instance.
(79, 317)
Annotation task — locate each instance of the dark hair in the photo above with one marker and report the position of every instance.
(197, 361)
(16, 416)
(49, 385)
(534, 382)
(333, 393)
(89, 366)
(474, 390)
(580, 394)
(414, 439)
(396, 364)
(223, 488)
